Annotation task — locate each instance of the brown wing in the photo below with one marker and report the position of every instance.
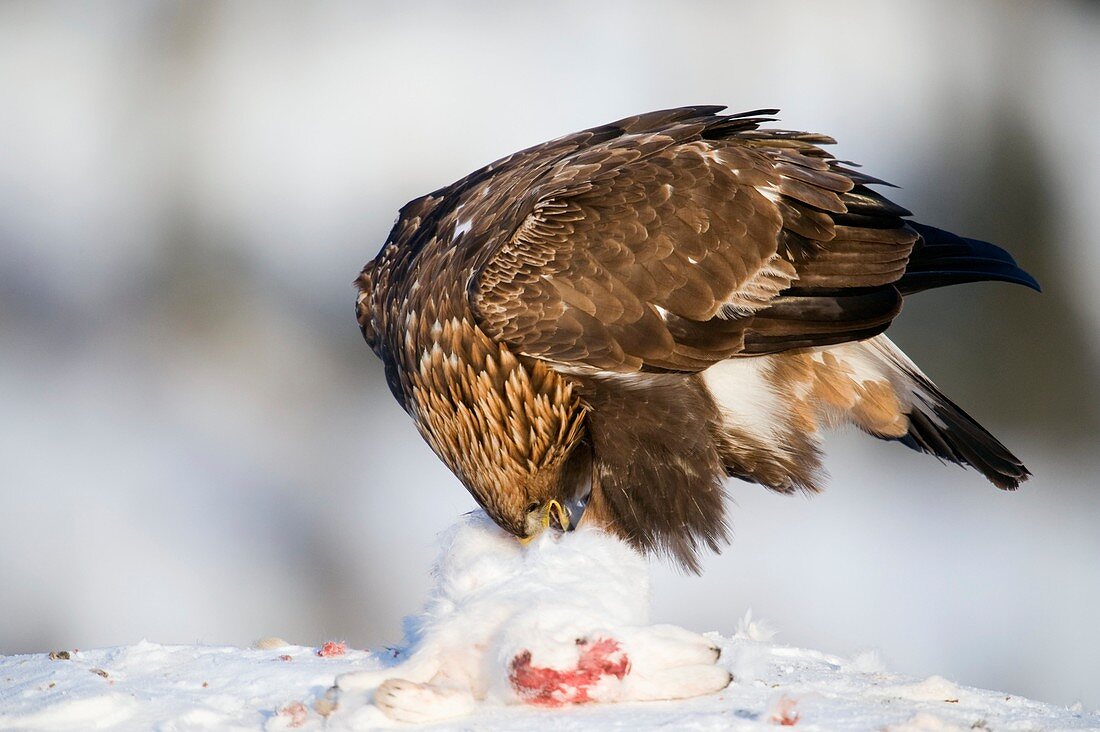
(676, 247)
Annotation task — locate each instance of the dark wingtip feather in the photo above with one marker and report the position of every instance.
(754, 113)
(941, 258)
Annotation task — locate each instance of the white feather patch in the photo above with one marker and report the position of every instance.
(746, 397)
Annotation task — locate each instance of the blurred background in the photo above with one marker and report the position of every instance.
(196, 446)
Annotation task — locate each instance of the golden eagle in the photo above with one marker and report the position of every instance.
(611, 323)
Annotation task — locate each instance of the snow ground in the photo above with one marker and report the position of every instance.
(189, 688)
(509, 638)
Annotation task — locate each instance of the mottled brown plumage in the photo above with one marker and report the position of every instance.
(641, 309)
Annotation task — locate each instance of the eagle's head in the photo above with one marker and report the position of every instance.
(557, 496)
(512, 432)
(511, 429)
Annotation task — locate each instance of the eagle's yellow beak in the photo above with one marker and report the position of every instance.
(551, 509)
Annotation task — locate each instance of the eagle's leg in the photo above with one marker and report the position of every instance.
(656, 469)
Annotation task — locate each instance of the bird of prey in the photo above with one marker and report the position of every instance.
(609, 324)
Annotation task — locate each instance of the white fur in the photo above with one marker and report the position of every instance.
(495, 599)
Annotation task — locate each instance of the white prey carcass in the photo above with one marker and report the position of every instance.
(561, 621)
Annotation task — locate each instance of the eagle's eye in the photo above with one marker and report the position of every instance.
(532, 506)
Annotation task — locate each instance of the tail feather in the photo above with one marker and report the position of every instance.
(940, 258)
(937, 426)
(773, 408)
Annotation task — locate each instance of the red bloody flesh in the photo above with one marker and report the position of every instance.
(551, 687)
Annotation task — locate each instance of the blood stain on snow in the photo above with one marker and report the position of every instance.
(286, 657)
(297, 712)
(333, 648)
(550, 687)
(785, 712)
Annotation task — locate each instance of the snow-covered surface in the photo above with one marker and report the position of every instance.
(169, 688)
(509, 638)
